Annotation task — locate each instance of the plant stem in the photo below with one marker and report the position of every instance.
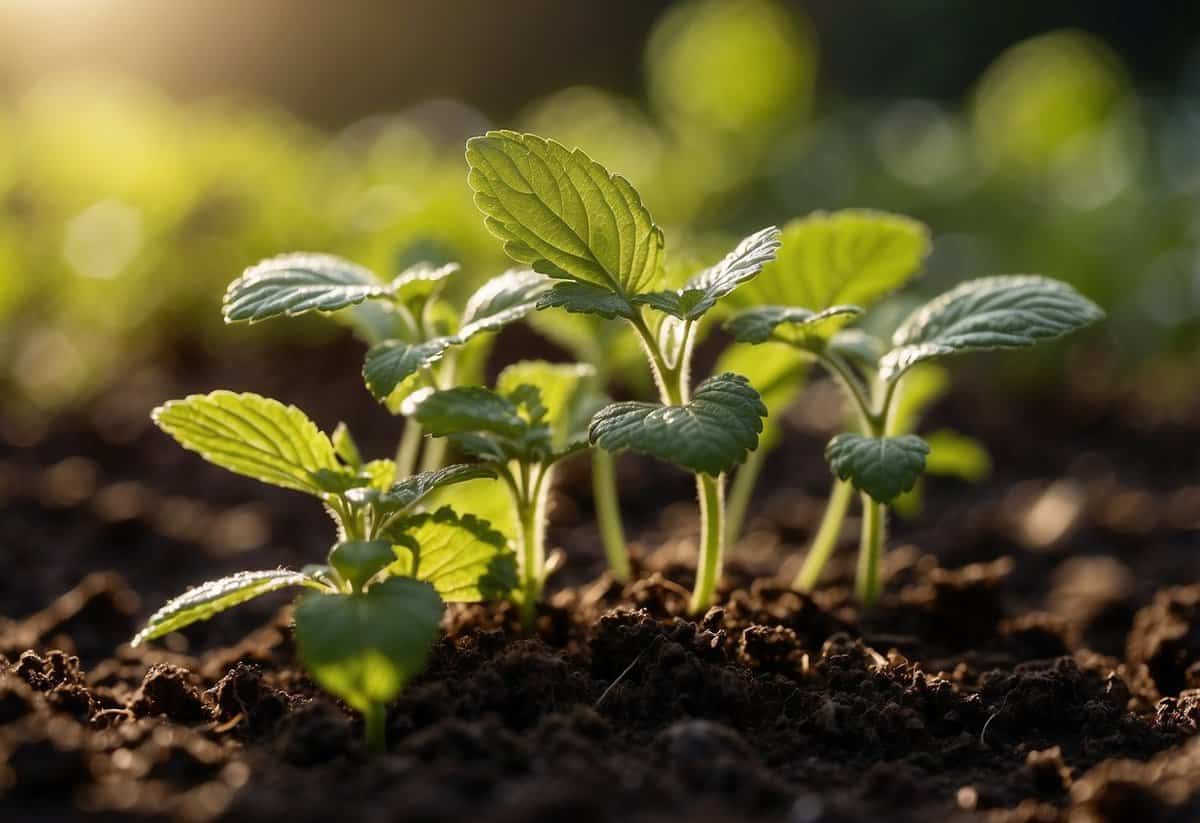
(608, 514)
(740, 493)
(826, 538)
(530, 494)
(712, 540)
(433, 457)
(375, 724)
(868, 583)
(406, 452)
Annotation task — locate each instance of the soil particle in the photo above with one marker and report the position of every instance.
(1166, 637)
(169, 691)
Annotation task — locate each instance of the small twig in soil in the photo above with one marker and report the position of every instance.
(627, 670)
(993, 716)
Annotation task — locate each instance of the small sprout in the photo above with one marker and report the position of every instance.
(372, 616)
(884, 459)
(567, 216)
(537, 415)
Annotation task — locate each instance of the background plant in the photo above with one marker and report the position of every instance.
(1004, 312)
(568, 217)
(367, 627)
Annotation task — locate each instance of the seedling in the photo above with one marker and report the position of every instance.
(414, 336)
(991, 313)
(373, 612)
(537, 415)
(568, 217)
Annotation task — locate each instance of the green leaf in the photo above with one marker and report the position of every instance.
(254, 436)
(711, 433)
(501, 300)
(952, 454)
(464, 409)
(360, 560)
(411, 490)
(462, 556)
(702, 291)
(923, 386)
(845, 257)
(216, 596)
(568, 393)
(392, 369)
(484, 499)
(562, 213)
(1005, 312)
(794, 326)
(364, 648)
(293, 284)
(584, 298)
(777, 373)
(883, 467)
(420, 282)
(345, 447)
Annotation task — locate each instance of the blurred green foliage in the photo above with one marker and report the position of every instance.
(123, 215)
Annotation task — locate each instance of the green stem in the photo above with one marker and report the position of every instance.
(868, 583)
(827, 536)
(406, 452)
(375, 724)
(712, 540)
(433, 457)
(534, 488)
(608, 514)
(740, 493)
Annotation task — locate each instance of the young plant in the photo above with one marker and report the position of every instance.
(372, 614)
(991, 313)
(537, 415)
(566, 216)
(414, 336)
(827, 262)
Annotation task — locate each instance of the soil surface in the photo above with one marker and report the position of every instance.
(1036, 656)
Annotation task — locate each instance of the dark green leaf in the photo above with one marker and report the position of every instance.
(364, 648)
(360, 560)
(216, 596)
(392, 370)
(584, 298)
(411, 490)
(293, 284)
(883, 467)
(795, 326)
(710, 434)
(465, 409)
(1006, 312)
(500, 301)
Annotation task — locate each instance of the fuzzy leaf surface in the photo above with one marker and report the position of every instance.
(562, 213)
(465, 409)
(1005, 312)
(216, 596)
(710, 434)
(584, 298)
(254, 436)
(702, 291)
(365, 647)
(461, 556)
(883, 467)
(500, 301)
(795, 326)
(293, 284)
(412, 489)
(392, 369)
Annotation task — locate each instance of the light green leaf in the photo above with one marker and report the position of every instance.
(562, 213)
(501, 300)
(392, 369)
(216, 596)
(798, 327)
(711, 434)
(845, 257)
(293, 284)
(254, 436)
(359, 560)
(464, 409)
(484, 499)
(463, 557)
(568, 393)
(411, 490)
(364, 648)
(1005, 312)
(952, 454)
(345, 447)
(858, 347)
(883, 467)
(702, 291)
(584, 298)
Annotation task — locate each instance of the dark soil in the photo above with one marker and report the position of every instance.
(1036, 656)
